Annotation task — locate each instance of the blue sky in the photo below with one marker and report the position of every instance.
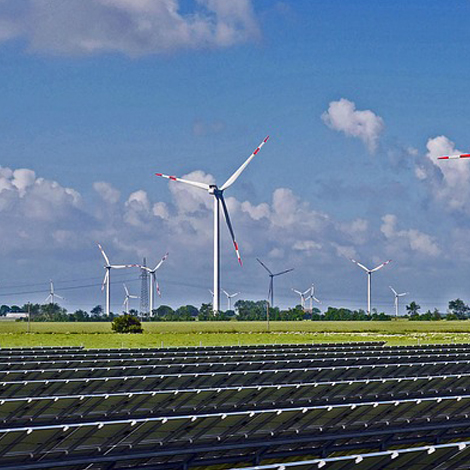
(359, 99)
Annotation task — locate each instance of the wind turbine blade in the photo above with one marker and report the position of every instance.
(264, 266)
(360, 265)
(197, 184)
(157, 288)
(403, 294)
(393, 290)
(380, 266)
(316, 300)
(105, 280)
(284, 272)
(104, 254)
(122, 266)
(226, 293)
(270, 290)
(133, 297)
(298, 292)
(230, 228)
(60, 297)
(161, 262)
(307, 291)
(126, 289)
(452, 157)
(234, 177)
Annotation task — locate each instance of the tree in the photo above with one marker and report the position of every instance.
(413, 308)
(127, 324)
(163, 311)
(80, 315)
(97, 311)
(459, 308)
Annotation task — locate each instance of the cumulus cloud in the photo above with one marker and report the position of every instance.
(343, 116)
(132, 27)
(403, 240)
(449, 180)
(107, 192)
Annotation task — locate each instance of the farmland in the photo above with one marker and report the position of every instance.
(156, 334)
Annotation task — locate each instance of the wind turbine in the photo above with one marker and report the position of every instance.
(153, 281)
(312, 298)
(302, 296)
(219, 200)
(229, 298)
(397, 296)
(271, 280)
(369, 279)
(127, 297)
(107, 277)
(52, 295)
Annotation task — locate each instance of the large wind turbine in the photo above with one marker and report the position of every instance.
(153, 281)
(271, 280)
(52, 295)
(107, 277)
(369, 280)
(397, 297)
(302, 296)
(219, 200)
(229, 298)
(127, 297)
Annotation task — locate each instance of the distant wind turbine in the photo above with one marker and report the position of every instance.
(312, 298)
(271, 280)
(397, 297)
(154, 287)
(107, 277)
(127, 297)
(50, 299)
(369, 280)
(302, 296)
(219, 201)
(229, 298)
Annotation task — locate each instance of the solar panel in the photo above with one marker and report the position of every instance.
(180, 408)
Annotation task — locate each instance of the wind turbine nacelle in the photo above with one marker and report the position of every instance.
(213, 189)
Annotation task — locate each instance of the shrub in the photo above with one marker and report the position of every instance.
(127, 324)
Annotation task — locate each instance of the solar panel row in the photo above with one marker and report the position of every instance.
(183, 410)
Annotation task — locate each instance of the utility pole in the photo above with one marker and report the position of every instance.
(144, 291)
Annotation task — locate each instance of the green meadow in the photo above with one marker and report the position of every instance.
(163, 334)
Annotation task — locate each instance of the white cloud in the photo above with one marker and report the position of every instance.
(403, 240)
(449, 179)
(343, 116)
(107, 192)
(132, 27)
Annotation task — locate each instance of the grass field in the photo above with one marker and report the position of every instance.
(99, 335)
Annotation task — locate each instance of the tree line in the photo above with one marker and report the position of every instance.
(245, 310)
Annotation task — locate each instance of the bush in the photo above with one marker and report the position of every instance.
(127, 324)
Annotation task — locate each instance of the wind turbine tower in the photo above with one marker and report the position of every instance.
(271, 280)
(369, 280)
(397, 297)
(219, 201)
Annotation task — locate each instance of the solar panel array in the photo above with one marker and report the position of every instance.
(338, 406)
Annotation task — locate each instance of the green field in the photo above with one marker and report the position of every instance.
(99, 335)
